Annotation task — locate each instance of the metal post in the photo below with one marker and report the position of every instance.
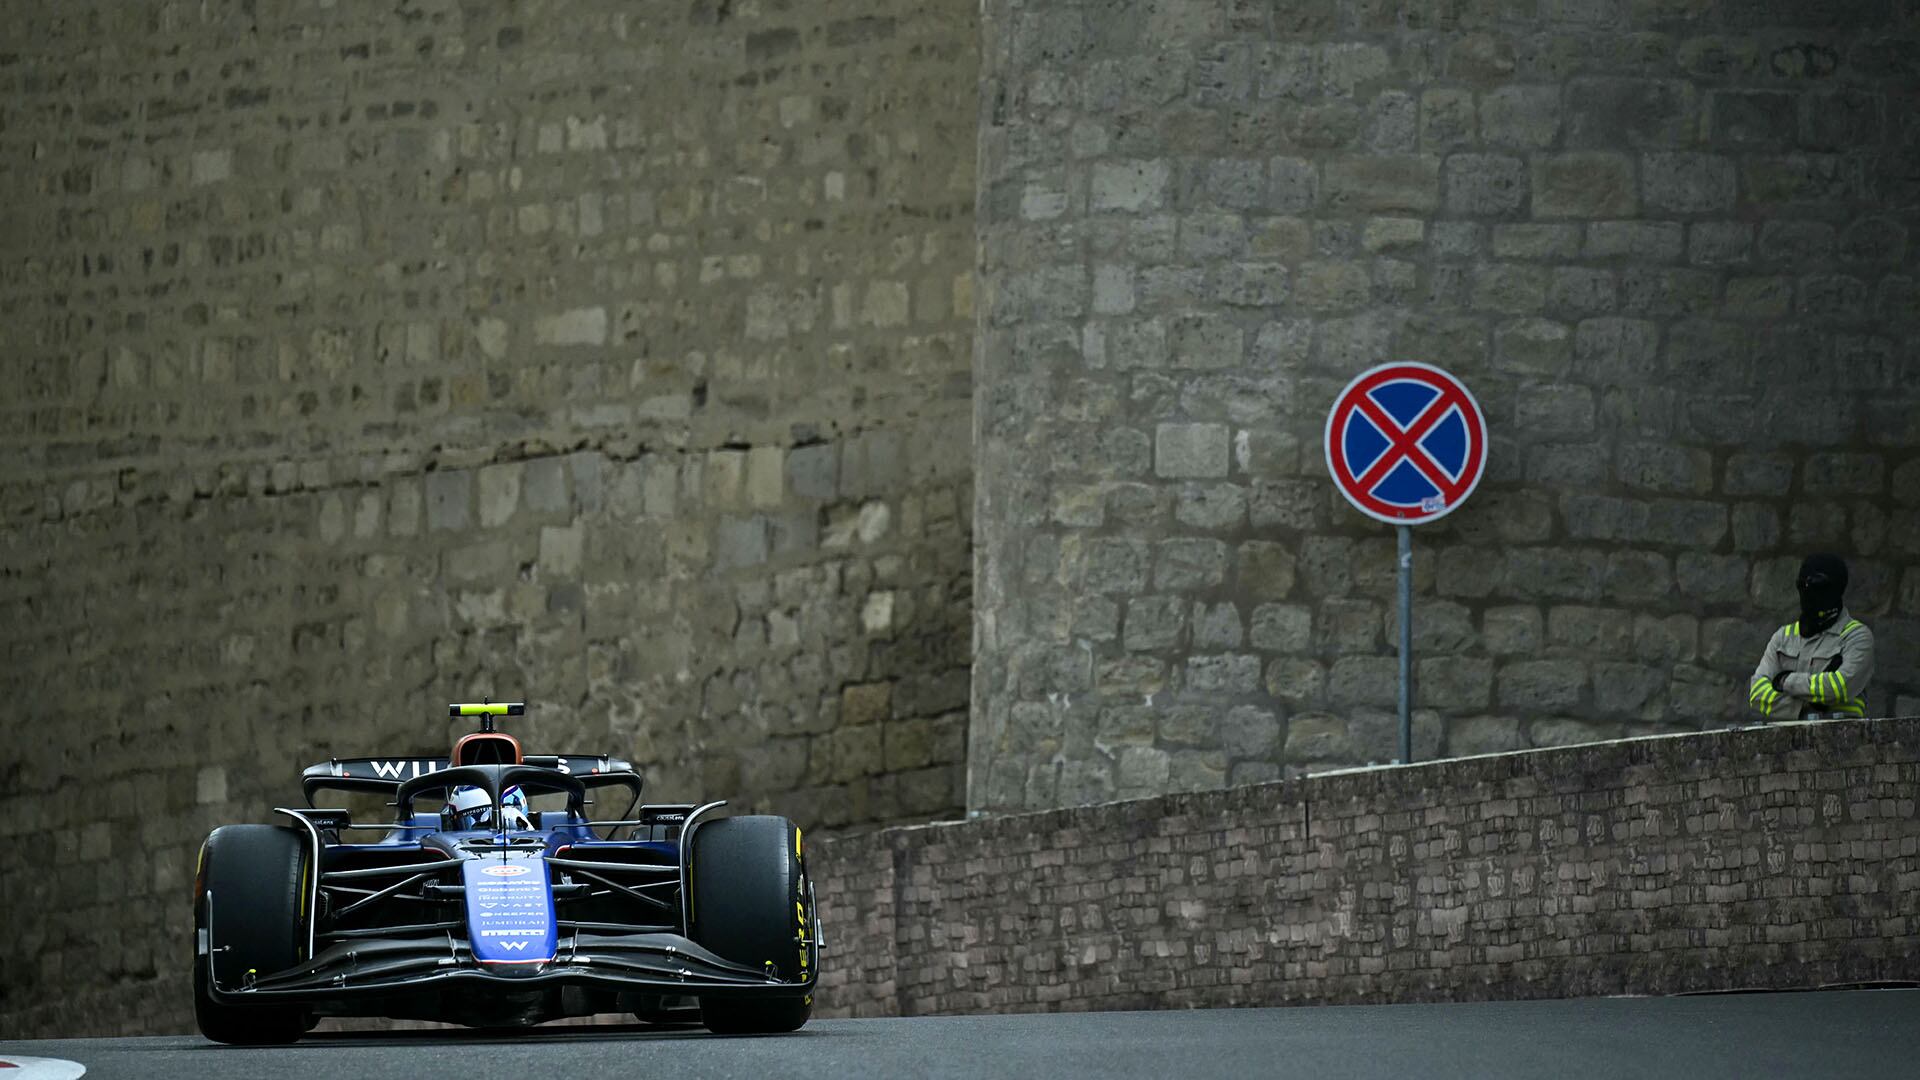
(1406, 642)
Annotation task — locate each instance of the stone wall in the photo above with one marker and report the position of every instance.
(1669, 244)
(359, 358)
(1777, 858)
(618, 358)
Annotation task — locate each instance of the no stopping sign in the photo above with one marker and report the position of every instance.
(1406, 443)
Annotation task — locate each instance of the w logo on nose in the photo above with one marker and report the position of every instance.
(515, 946)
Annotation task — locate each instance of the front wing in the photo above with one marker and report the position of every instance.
(657, 963)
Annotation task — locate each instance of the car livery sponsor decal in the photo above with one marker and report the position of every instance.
(510, 912)
(399, 769)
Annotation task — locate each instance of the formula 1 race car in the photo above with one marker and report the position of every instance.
(485, 911)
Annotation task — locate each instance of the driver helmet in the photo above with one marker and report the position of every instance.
(471, 809)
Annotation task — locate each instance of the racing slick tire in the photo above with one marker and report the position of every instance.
(256, 876)
(750, 905)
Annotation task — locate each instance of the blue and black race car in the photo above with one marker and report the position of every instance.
(472, 907)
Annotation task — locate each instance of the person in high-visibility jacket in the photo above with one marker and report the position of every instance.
(1820, 665)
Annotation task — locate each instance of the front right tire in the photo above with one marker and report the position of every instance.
(751, 905)
(253, 882)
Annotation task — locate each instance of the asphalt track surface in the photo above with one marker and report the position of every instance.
(1833, 1034)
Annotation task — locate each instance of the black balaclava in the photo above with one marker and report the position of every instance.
(1822, 581)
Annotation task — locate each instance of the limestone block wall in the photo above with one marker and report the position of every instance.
(1670, 245)
(1759, 859)
(359, 358)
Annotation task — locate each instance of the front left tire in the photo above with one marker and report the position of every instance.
(251, 893)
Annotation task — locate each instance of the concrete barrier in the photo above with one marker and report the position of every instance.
(1774, 857)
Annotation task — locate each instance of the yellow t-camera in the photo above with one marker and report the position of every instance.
(491, 708)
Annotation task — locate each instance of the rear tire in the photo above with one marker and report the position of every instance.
(750, 904)
(256, 879)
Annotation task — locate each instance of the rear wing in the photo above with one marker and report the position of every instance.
(385, 775)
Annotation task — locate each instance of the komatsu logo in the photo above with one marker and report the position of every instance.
(506, 870)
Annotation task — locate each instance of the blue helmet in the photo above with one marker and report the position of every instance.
(470, 808)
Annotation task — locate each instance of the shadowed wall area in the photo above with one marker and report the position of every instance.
(360, 358)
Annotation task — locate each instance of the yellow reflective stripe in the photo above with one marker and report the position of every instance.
(1852, 625)
(1843, 683)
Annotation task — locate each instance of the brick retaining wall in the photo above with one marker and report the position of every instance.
(1775, 857)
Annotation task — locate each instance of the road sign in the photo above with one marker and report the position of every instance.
(1406, 443)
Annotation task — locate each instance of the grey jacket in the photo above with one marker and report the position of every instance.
(1809, 685)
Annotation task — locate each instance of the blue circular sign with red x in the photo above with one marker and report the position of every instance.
(1406, 443)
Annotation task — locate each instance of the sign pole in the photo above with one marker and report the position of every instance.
(1406, 444)
(1406, 643)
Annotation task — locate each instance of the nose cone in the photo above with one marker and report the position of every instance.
(510, 921)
